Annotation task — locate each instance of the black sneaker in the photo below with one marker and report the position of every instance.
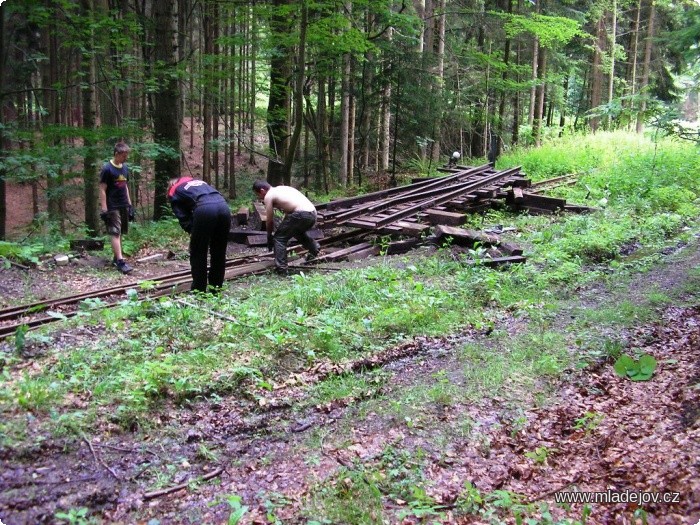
(122, 266)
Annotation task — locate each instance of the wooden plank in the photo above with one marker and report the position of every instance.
(510, 248)
(499, 261)
(409, 228)
(541, 201)
(464, 237)
(259, 216)
(445, 217)
(486, 193)
(532, 210)
(256, 240)
(341, 254)
(522, 183)
(518, 196)
(242, 215)
(577, 208)
(363, 254)
(240, 235)
(399, 247)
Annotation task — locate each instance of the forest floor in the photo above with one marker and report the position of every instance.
(290, 461)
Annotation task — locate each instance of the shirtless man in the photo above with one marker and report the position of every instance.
(299, 218)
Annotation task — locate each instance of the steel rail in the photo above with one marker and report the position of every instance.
(433, 198)
(176, 282)
(383, 194)
(435, 188)
(435, 201)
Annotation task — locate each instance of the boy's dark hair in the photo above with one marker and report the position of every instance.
(121, 147)
(261, 185)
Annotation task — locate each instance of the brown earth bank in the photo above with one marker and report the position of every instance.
(281, 454)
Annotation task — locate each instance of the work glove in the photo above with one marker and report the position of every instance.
(103, 215)
(270, 243)
(132, 213)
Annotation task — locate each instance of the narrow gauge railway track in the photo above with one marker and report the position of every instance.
(555, 182)
(39, 313)
(363, 214)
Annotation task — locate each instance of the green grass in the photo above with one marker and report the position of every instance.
(335, 500)
(511, 365)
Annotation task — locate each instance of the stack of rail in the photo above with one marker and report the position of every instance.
(412, 209)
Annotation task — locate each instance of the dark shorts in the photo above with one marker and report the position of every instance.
(117, 222)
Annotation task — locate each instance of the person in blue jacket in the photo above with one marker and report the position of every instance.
(204, 214)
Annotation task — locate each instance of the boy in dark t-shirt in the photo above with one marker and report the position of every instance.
(115, 202)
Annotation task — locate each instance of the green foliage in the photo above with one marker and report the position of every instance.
(589, 421)
(238, 510)
(336, 500)
(21, 337)
(506, 365)
(346, 386)
(540, 455)
(550, 30)
(23, 253)
(641, 369)
(76, 516)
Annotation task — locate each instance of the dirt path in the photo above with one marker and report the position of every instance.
(291, 460)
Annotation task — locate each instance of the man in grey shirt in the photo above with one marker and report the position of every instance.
(299, 218)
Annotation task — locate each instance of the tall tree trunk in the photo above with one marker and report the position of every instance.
(300, 72)
(344, 121)
(429, 22)
(252, 81)
(541, 84)
(49, 81)
(515, 132)
(504, 78)
(278, 108)
(646, 67)
(216, 93)
(634, 50)
(323, 153)
(366, 111)
(4, 143)
(166, 103)
(208, 32)
(440, 75)
(597, 73)
(385, 127)
(351, 135)
(562, 114)
(419, 6)
(89, 110)
(611, 76)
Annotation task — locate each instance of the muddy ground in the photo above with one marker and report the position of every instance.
(275, 451)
